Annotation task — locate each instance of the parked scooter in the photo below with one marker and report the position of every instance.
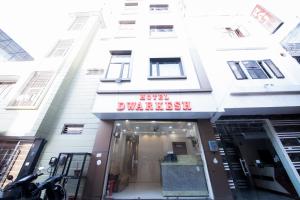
(25, 189)
(22, 188)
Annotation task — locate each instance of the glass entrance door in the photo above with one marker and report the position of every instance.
(254, 165)
(156, 160)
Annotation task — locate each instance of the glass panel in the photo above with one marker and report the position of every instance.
(114, 71)
(154, 69)
(237, 70)
(120, 58)
(254, 70)
(125, 73)
(169, 69)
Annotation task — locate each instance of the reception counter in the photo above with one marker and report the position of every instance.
(185, 177)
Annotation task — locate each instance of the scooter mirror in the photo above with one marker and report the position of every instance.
(10, 177)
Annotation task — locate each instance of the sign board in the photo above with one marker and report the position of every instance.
(153, 102)
(267, 19)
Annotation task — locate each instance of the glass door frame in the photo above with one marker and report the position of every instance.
(202, 154)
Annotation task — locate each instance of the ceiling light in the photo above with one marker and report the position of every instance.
(189, 124)
(170, 127)
(118, 124)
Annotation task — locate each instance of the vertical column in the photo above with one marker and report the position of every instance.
(216, 171)
(97, 167)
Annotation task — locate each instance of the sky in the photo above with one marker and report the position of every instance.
(36, 24)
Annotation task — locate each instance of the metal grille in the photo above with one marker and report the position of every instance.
(12, 157)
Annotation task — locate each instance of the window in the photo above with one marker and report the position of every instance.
(5, 87)
(73, 129)
(273, 68)
(236, 32)
(31, 94)
(237, 70)
(255, 69)
(61, 48)
(119, 66)
(78, 23)
(159, 7)
(162, 30)
(166, 68)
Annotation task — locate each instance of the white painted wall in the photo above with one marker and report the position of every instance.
(197, 25)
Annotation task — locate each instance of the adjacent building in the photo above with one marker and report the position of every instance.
(161, 100)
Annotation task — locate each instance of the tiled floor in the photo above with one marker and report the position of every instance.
(143, 191)
(153, 191)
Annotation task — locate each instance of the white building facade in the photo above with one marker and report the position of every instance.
(168, 99)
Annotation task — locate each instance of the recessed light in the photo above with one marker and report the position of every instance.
(126, 120)
(189, 124)
(137, 127)
(118, 124)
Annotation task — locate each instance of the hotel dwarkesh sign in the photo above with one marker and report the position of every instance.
(154, 102)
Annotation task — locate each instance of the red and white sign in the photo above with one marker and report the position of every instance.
(154, 102)
(267, 19)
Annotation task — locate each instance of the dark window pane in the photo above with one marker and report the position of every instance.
(237, 70)
(274, 68)
(254, 69)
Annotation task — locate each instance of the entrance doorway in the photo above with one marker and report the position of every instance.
(156, 160)
(253, 164)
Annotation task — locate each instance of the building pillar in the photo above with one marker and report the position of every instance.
(97, 167)
(216, 171)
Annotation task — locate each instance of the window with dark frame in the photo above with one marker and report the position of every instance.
(256, 69)
(166, 68)
(72, 129)
(119, 66)
(273, 68)
(237, 70)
